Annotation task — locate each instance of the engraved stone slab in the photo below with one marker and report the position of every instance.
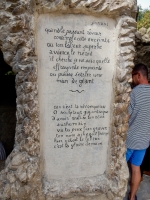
(76, 59)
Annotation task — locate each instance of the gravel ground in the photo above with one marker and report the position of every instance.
(143, 192)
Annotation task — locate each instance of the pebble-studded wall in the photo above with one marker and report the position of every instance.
(143, 47)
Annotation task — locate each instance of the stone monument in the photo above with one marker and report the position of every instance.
(72, 61)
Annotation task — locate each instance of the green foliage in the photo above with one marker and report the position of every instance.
(10, 73)
(143, 19)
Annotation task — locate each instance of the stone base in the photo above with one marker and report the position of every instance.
(102, 197)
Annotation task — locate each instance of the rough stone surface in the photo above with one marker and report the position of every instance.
(143, 48)
(22, 176)
(142, 31)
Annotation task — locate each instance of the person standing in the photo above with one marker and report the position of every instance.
(138, 136)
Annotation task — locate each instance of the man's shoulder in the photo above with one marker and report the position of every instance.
(141, 91)
(141, 87)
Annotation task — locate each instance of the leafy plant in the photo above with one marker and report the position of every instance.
(143, 19)
(10, 73)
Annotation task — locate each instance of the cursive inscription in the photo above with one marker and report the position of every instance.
(72, 54)
(72, 127)
(76, 59)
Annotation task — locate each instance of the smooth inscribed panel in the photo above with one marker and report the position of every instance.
(75, 70)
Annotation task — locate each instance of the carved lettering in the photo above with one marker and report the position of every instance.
(75, 67)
